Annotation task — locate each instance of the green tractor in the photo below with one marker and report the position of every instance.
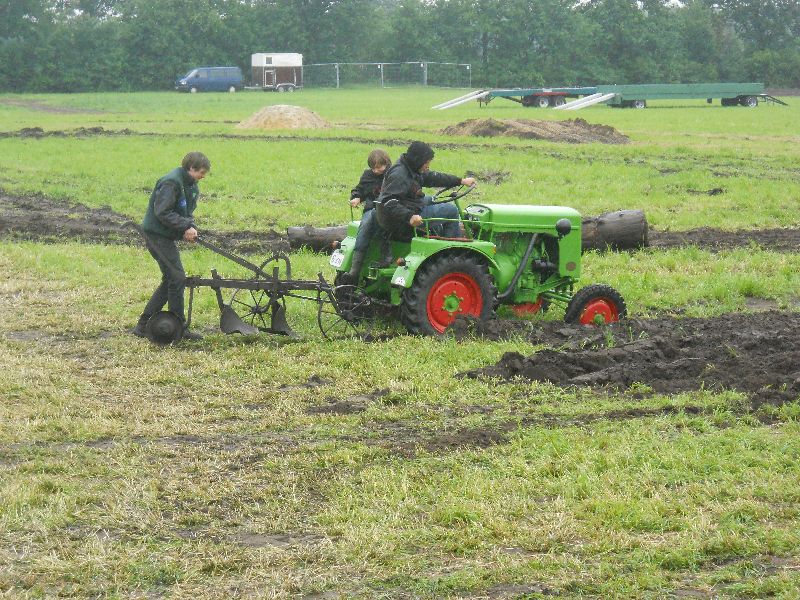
(527, 257)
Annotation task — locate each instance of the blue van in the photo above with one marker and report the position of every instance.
(210, 79)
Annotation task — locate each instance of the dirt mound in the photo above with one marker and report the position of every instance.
(283, 116)
(754, 353)
(573, 131)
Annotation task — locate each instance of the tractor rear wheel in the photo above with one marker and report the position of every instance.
(596, 305)
(445, 287)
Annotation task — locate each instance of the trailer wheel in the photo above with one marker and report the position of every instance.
(542, 101)
(639, 104)
(751, 101)
(559, 101)
(445, 287)
(596, 305)
(281, 89)
(193, 90)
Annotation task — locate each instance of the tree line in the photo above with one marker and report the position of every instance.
(128, 45)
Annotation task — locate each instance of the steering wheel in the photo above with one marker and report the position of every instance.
(459, 191)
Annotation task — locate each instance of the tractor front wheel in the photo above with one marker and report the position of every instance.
(596, 305)
(444, 288)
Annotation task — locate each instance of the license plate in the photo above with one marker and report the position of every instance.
(337, 258)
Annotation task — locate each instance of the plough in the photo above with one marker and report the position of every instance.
(258, 304)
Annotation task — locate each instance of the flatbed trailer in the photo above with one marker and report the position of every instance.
(624, 96)
(730, 94)
(539, 97)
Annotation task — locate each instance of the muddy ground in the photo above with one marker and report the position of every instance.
(39, 218)
(753, 353)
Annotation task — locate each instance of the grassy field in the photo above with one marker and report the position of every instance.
(265, 467)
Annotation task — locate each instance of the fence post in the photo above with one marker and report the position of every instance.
(424, 66)
(336, 66)
(380, 68)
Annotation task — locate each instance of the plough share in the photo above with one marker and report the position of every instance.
(258, 304)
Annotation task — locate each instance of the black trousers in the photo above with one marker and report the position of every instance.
(173, 278)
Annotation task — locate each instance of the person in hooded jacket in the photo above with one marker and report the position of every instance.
(402, 205)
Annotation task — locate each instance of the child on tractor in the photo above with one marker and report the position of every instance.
(402, 205)
(365, 193)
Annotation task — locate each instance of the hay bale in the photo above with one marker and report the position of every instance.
(283, 116)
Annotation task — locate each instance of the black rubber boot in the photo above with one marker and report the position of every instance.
(354, 273)
(386, 254)
(191, 335)
(139, 330)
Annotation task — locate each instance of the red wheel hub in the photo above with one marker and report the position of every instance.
(599, 309)
(452, 295)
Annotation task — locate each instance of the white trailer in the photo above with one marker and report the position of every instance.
(276, 71)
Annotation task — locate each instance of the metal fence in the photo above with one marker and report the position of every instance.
(387, 74)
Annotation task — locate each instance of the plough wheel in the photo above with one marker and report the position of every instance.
(253, 307)
(344, 313)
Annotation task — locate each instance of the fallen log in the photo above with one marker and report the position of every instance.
(319, 239)
(619, 230)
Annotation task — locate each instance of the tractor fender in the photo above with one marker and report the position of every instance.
(403, 276)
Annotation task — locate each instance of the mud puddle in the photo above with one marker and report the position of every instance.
(753, 353)
(38, 105)
(707, 238)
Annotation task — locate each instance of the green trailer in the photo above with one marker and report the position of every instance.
(622, 96)
(730, 94)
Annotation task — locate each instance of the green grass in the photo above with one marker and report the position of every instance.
(307, 177)
(128, 470)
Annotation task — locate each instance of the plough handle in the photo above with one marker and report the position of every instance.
(230, 256)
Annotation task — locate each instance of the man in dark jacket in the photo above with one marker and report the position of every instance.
(169, 218)
(402, 205)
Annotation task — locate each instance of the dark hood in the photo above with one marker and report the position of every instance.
(418, 154)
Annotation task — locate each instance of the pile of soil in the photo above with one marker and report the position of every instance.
(573, 131)
(284, 116)
(754, 353)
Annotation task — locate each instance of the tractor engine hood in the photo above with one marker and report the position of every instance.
(529, 218)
